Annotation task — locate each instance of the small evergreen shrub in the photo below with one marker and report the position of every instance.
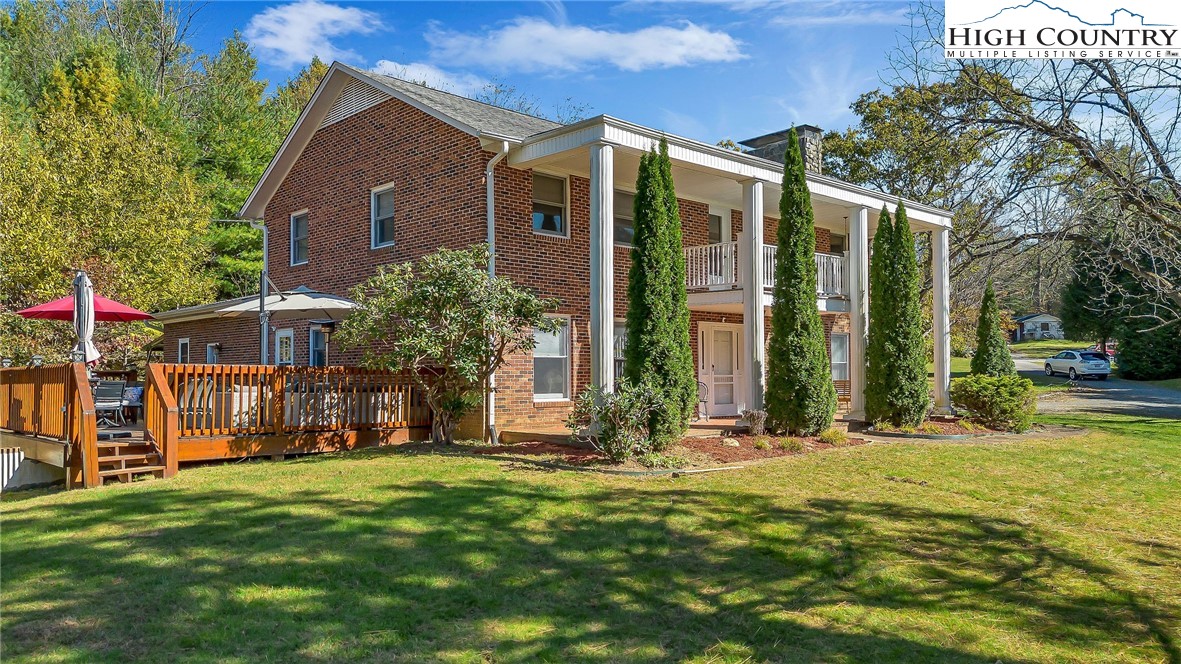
(763, 444)
(998, 402)
(621, 417)
(791, 444)
(834, 436)
(757, 420)
(992, 351)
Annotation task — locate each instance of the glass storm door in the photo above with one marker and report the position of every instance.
(720, 369)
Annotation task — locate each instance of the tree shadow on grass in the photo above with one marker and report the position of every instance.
(508, 570)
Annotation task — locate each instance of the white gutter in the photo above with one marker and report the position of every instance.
(490, 202)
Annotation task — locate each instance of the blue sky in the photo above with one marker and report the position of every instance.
(706, 70)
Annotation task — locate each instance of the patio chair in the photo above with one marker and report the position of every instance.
(196, 403)
(108, 399)
(133, 401)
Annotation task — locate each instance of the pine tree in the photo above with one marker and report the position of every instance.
(800, 397)
(992, 353)
(658, 352)
(879, 376)
(896, 378)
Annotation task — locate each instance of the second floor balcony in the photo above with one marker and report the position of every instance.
(715, 267)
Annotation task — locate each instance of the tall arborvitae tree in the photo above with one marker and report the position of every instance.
(882, 295)
(800, 396)
(896, 379)
(911, 397)
(658, 352)
(992, 353)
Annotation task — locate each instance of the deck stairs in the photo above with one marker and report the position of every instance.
(128, 459)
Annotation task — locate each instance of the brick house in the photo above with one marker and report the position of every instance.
(378, 170)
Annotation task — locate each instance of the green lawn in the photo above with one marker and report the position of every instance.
(1043, 348)
(962, 366)
(1055, 550)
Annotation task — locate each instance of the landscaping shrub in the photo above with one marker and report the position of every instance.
(998, 402)
(834, 436)
(762, 444)
(757, 420)
(992, 351)
(620, 419)
(791, 444)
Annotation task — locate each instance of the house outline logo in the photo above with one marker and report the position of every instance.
(1098, 29)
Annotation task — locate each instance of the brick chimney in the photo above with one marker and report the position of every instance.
(773, 146)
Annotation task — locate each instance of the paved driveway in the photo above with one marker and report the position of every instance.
(1123, 397)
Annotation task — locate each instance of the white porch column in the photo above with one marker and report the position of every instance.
(752, 291)
(602, 250)
(858, 308)
(942, 318)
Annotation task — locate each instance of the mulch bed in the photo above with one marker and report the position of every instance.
(944, 426)
(746, 450)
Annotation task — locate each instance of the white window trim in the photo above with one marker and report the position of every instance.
(847, 362)
(312, 348)
(615, 213)
(569, 365)
(290, 334)
(727, 222)
(217, 351)
(565, 206)
(291, 237)
(373, 243)
(183, 341)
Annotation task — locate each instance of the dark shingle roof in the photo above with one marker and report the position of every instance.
(478, 115)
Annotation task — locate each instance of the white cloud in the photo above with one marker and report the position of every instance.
(843, 13)
(534, 44)
(460, 83)
(289, 35)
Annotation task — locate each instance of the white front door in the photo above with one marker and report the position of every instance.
(721, 368)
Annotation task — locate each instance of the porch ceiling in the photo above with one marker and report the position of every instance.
(696, 184)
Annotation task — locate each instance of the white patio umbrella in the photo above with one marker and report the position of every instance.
(302, 302)
(84, 319)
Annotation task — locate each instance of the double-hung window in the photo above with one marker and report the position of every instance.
(839, 356)
(549, 205)
(381, 206)
(715, 229)
(317, 348)
(551, 363)
(299, 238)
(182, 351)
(620, 346)
(625, 218)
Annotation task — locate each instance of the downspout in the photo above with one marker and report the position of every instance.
(264, 317)
(490, 201)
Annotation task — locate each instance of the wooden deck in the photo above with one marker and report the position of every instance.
(200, 413)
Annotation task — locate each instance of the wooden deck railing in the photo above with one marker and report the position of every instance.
(161, 418)
(235, 400)
(54, 401)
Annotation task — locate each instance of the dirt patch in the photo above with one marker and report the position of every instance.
(941, 427)
(754, 448)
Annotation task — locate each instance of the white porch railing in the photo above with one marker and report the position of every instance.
(715, 267)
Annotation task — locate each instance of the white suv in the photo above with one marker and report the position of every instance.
(1079, 364)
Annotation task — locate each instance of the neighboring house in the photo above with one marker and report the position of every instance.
(378, 170)
(1037, 326)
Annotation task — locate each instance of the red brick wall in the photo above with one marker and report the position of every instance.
(439, 201)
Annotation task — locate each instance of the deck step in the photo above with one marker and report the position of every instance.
(134, 470)
(145, 456)
(126, 442)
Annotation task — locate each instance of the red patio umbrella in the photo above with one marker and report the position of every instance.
(104, 310)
